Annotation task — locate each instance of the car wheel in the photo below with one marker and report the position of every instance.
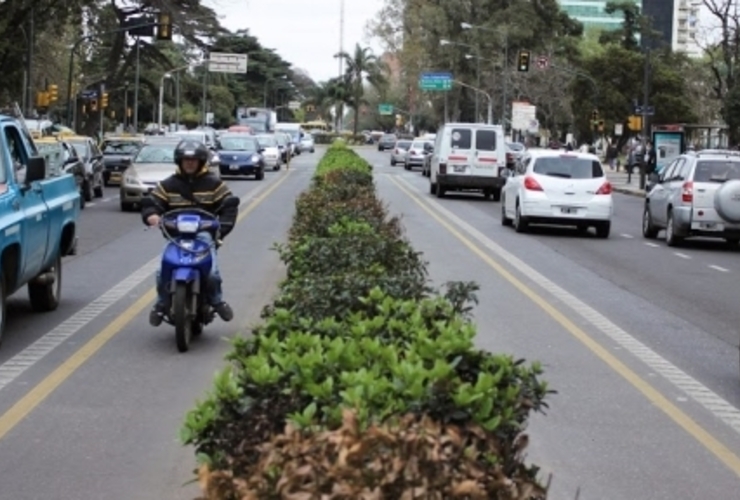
(496, 195)
(440, 191)
(670, 232)
(393, 163)
(44, 295)
(432, 187)
(732, 241)
(487, 194)
(260, 175)
(520, 223)
(603, 229)
(649, 230)
(406, 166)
(505, 221)
(313, 150)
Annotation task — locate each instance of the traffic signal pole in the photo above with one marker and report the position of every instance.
(645, 129)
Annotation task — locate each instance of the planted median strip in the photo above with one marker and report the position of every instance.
(362, 378)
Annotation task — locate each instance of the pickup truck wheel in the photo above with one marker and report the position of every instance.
(3, 307)
(44, 293)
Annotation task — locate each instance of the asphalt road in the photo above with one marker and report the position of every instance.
(92, 397)
(640, 340)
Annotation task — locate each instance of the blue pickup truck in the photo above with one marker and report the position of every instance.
(39, 209)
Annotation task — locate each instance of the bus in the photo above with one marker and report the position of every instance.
(316, 125)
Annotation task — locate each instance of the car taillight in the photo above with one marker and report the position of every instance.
(531, 184)
(687, 192)
(605, 188)
(442, 168)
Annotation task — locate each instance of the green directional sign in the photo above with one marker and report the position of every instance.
(385, 109)
(436, 81)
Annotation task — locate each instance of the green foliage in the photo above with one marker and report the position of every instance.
(356, 328)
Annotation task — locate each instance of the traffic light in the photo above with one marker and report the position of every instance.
(113, 114)
(524, 58)
(104, 100)
(94, 105)
(600, 125)
(164, 26)
(399, 120)
(635, 123)
(53, 92)
(42, 99)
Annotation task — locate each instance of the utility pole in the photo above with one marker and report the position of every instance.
(340, 119)
(645, 116)
(136, 84)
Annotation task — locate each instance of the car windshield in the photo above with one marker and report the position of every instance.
(82, 148)
(191, 137)
(568, 167)
(403, 144)
(515, 146)
(120, 147)
(717, 171)
(293, 134)
(388, 138)
(307, 138)
(267, 141)
(239, 144)
(156, 153)
(281, 140)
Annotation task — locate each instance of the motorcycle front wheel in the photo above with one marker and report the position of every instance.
(182, 317)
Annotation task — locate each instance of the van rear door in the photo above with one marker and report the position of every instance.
(461, 151)
(485, 160)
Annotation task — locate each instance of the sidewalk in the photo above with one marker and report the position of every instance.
(620, 185)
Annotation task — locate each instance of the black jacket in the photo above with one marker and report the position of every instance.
(204, 191)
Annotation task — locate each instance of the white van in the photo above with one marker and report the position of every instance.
(468, 157)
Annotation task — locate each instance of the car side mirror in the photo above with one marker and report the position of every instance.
(35, 170)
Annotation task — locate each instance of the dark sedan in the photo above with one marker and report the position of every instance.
(117, 155)
(388, 141)
(241, 155)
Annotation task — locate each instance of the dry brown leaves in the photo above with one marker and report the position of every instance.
(415, 459)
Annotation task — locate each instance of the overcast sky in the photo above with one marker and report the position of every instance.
(304, 32)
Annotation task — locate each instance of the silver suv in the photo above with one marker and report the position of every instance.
(698, 194)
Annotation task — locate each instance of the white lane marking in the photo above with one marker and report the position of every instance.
(90, 203)
(697, 391)
(15, 366)
(653, 245)
(628, 236)
(720, 269)
(682, 255)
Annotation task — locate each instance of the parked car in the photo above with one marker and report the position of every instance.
(514, 151)
(398, 155)
(39, 212)
(241, 155)
(61, 158)
(387, 141)
(553, 187)
(695, 195)
(92, 158)
(117, 151)
(468, 157)
(417, 155)
(153, 163)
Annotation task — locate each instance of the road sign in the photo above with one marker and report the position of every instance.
(294, 105)
(209, 118)
(645, 110)
(543, 62)
(385, 109)
(221, 62)
(618, 129)
(436, 81)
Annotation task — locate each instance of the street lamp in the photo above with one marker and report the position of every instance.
(468, 26)
(488, 96)
(166, 76)
(444, 42)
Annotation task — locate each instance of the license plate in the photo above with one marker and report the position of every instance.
(710, 225)
(234, 167)
(459, 168)
(568, 210)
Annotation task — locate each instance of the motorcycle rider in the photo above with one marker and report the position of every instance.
(192, 185)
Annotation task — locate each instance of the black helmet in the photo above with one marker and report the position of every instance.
(191, 149)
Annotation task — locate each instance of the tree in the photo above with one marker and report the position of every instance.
(632, 25)
(362, 66)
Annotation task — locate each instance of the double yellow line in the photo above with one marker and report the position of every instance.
(51, 382)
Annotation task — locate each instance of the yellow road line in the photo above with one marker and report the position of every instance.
(51, 382)
(724, 454)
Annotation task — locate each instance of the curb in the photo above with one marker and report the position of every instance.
(628, 191)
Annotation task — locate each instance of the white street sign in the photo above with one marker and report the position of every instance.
(294, 105)
(618, 129)
(221, 62)
(522, 115)
(209, 118)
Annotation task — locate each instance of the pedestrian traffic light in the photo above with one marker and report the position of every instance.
(53, 91)
(104, 100)
(524, 57)
(42, 100)
(94, 105)
(164, 26)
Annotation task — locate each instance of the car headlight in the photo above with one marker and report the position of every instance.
(215, 158)
(255, 158)
(131, 179)
(187, 226)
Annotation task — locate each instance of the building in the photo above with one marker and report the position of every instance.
(677, 22)
(592, 14)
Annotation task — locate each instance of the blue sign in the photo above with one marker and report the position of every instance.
(436, 81)
(644, 110)
(89, 94)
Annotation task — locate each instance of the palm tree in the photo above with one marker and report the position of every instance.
(362, 66)
(330, 94)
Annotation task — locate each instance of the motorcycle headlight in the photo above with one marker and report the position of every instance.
(187, 226)
(255, 158)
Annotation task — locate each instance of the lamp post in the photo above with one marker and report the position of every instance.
(477, 70)
(468, 26)
(481, 91)
(166, 76)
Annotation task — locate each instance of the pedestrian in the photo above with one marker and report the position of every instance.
(650, 159)
(611, 154)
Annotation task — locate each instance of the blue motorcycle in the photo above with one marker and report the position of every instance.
(186, 268)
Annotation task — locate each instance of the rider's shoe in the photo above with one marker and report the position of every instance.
(156, 315)
(224, 311)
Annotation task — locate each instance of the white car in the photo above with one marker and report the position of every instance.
(558, 188)
(270, 151)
